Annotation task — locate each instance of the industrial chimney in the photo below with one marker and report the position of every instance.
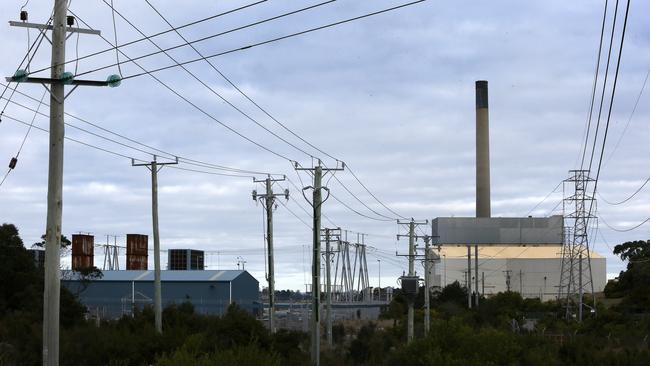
(482, 150)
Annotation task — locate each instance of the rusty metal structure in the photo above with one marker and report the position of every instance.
(137, 251)
(83, 251)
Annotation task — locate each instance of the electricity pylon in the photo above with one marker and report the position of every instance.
(575, 277)
(330, 235)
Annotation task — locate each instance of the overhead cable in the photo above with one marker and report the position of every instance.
(110, 49)
(195, 106)
(211, 89)
(253, 45)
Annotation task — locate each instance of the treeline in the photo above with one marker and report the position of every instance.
(492, 335)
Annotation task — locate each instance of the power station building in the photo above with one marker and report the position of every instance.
(488, 254)
(532, 271)
(117, 293)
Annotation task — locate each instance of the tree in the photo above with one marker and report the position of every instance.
(633, 284)
(65, 242)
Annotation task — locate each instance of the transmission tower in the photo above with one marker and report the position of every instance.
(576, 278)
(111, 251)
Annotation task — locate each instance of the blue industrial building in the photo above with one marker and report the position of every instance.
(117, 293)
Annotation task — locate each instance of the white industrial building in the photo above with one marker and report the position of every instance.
(533, 271)
(496, 254)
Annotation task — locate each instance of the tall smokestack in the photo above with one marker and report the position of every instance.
(482, 150)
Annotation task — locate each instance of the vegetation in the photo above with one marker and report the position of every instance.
(492, 335)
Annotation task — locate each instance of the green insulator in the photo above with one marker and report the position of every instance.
(20, 75)
(67, 78)
(114, 80)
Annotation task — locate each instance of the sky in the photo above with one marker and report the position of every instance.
(390, 95)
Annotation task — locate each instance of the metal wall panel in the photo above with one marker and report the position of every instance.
(83, 251)
(498, 231)
(137, 251)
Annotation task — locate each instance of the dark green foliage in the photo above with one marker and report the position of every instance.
(459, 336)
(65, 242)
(633, 285)
(21, 302)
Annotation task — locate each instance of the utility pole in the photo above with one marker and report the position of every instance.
(61, 24)
(478, 295)
(469, 277)
(410, 297)
(379, 280)
(267, 200)
(427, 267)
(154, 166)
(329, 234)
(317, 201)
(521, 283)
(508, 273)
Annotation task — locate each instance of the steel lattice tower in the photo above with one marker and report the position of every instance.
(576, 278)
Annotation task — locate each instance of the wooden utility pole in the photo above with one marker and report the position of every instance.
(427, 275)
(268, 200)
(154, 166)
(316, 202)
(61, 25)
(412, 254)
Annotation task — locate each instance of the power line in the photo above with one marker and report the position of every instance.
(253, 102)
(373, 196)
(75, 140)
(593, 90)
(37, 44)
(602, 96)
(14, 160)
(628, 198)
(636, 103)
(209, 87)
(357, 198)
(185, 160)
(195, 106)
(232, 30)
(151, 36)
(123, 155)
(294, 214)
(357, 212)
(611, 104)
(545, 198)
(229, 81)
(625, 230)
(252, 45)
(179, 64)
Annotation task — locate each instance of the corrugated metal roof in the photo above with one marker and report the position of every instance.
(169, 276)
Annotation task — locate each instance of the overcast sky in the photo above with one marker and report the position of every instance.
(391, 95)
